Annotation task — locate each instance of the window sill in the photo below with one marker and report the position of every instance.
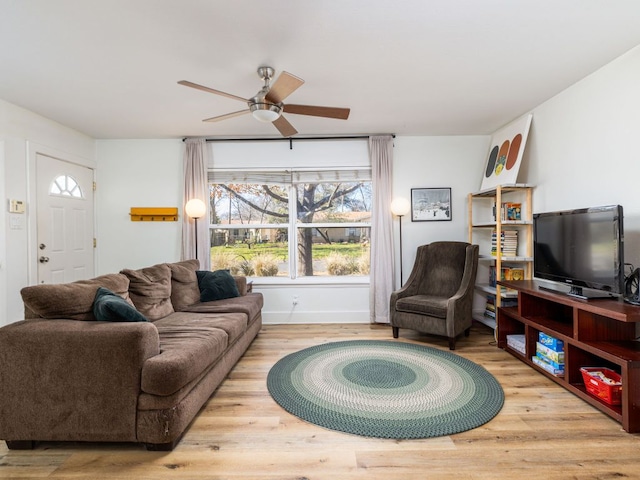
(308, 281)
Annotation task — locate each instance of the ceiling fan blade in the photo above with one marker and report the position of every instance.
(329, 112)
(226, 115)
(211, 90)
(284, 86)
(284, 127)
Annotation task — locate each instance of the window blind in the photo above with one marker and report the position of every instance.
(287, 177)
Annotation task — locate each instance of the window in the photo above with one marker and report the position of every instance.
(65, 186)
(291, 224)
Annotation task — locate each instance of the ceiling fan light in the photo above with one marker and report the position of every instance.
(265, 112)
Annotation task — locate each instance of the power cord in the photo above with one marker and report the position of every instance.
(632, 286)
(631, 270)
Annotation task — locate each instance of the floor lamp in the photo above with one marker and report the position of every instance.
(195, 208)
(400, 207)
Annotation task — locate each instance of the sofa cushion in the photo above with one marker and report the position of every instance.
(150, 290)
(72, 301)
(184, 284)
(250, 304)
(423, 305)
(243, 286)
(109, 307)
(217, 285)
(189, 344)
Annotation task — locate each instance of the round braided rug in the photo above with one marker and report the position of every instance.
(385, 389)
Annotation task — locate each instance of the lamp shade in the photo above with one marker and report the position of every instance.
(400, 206)
(195, 208)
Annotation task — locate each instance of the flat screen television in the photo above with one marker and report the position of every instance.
(582, 248)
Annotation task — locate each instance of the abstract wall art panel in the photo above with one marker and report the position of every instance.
(505, 154)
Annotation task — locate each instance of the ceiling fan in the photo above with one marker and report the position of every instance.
(267, 105)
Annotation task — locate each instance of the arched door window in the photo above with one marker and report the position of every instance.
(66, 186)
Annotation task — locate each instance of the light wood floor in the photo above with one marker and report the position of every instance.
(242, 434)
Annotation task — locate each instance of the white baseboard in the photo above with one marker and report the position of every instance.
(299, 317)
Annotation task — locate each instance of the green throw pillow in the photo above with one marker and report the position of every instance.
(216, 285)
(109, 307)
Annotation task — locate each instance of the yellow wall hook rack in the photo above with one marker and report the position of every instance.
(154, 214)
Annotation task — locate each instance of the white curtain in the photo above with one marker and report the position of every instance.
(196, 161)
(382, 266)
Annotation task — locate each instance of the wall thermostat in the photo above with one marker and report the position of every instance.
(16, 206)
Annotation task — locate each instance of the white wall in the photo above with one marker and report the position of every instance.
(22, 135)
(3, 242)
(583, 147)
(436, 162)
(344, 302)
(137, 173)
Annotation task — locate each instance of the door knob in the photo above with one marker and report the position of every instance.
(42, 246)
(43, 259)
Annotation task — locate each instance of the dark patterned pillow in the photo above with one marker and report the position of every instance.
(109, 307)
(216, 285)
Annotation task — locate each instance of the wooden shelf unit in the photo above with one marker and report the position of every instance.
(482, 222)
(596, 333)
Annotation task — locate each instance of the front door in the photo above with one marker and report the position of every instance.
(64, 220)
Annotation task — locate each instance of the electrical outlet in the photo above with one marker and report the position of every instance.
(295, 299)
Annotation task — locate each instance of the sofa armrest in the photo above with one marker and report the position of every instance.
(72, 380)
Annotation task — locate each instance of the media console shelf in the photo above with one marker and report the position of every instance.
(596, 333)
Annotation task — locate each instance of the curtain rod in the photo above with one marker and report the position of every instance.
(286, 139)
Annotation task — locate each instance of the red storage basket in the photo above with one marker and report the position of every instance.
(609, 393)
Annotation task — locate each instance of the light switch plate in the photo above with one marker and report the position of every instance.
(15, 223)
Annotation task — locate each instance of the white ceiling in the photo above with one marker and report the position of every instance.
(109, 68)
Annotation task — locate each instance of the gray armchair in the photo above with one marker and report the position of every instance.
(438, 296)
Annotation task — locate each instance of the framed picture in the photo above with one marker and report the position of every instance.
(430, 204)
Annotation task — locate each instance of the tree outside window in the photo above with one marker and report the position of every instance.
(312, 229)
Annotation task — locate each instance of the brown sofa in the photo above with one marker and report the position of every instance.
(66, 377)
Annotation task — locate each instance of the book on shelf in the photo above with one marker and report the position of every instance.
(513, 211)
(490, 308)
(509, 211)
(508, 243)
(507, 273)
(490, 305)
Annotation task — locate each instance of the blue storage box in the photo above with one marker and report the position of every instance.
(555, 365)
(545, 365)
(551, 342)
(551, 354)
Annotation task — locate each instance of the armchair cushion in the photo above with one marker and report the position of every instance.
(423, 305)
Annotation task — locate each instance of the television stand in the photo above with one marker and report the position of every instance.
(578, 292)
(598, 333)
